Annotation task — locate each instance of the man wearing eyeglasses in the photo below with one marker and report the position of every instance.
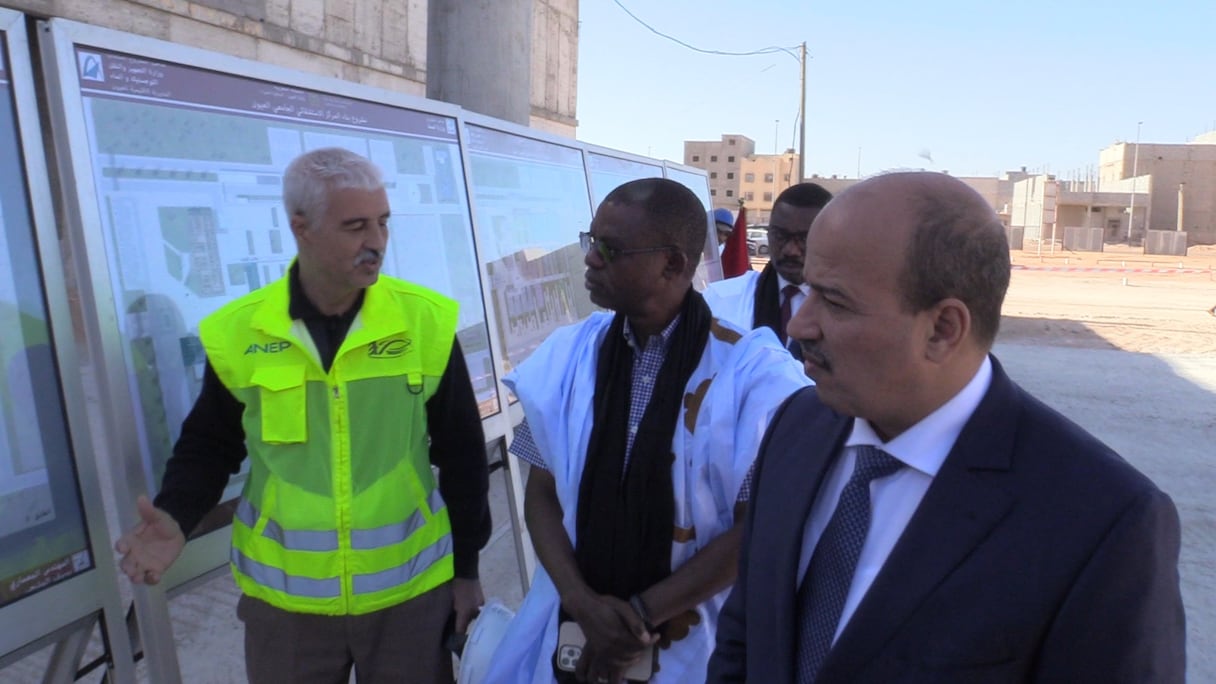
(769, 298)
(640, 426)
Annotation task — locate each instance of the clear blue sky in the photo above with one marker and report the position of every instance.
(983, 87)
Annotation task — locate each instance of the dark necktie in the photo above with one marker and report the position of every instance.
(787, 309)
(823, 592)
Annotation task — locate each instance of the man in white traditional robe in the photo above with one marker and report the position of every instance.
(768, 298)
(641, 428)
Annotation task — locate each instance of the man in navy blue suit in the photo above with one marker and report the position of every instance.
(916, 516)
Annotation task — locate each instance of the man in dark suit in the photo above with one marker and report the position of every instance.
(917, 516)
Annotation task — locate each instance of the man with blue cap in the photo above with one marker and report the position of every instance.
(724, 223)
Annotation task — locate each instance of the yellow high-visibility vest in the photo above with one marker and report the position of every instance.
(340, 514)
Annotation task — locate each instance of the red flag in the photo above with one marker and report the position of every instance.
(734, 258)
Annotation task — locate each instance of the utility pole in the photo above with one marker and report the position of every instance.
(1030, 183)
(1131, 211)
(802, 118)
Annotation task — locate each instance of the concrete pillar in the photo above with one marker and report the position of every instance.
(479, 56)
(1148, 213)
(1181, 203)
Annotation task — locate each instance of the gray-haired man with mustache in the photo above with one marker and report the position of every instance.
(343, 387)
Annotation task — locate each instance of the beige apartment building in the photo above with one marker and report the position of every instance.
(764, 176)
(1163, 198)
(1050, 213)
(431, 48)
(1175, 183)
(723, 159)
(999, 191)
(737, 174)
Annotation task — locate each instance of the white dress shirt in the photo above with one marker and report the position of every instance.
(796, 301)
(893, 499)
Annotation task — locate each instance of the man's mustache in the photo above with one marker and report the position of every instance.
(812, 353)
(368, 256)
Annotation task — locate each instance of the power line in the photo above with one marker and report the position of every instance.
(799, 117)
(764, 51)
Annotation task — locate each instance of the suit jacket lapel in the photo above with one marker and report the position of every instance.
(962, 506)
(795, 472)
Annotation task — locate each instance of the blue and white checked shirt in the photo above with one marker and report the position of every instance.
(646, 365)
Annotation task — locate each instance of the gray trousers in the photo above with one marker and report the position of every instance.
(400, 644)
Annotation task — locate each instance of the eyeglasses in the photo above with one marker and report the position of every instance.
(782, 236)
(587, 241)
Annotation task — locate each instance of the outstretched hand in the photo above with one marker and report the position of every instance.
(151, 547)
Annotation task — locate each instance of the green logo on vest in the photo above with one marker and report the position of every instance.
(268, 348)
(387, 349)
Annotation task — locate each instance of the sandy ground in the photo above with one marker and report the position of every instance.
(1128, 354)
(1125, 308)
(1131, 356)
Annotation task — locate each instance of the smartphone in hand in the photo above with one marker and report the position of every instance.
(570, 642)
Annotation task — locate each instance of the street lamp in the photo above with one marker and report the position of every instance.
(802, 115)
(1131, 210)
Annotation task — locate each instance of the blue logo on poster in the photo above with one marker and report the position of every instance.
(90, 67)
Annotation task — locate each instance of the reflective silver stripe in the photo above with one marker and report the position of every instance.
(395, 533)
(246, 513)
(301, 540)
(435, 501)
(274, 578)
(387, 535)
(292, 540)
(395, 577)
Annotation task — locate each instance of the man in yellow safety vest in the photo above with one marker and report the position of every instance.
(343, 387)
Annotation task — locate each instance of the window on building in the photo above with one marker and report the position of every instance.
(768, 197)
(713, 157)
(696, 157)
(730, 175)
(749, 177)
(713, 174)
(713, 193)
(730, 141)
(730, 193)
(749, 196)
(731, 159)
(768, 178)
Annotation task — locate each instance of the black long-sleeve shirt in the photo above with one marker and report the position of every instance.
(212, 442)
